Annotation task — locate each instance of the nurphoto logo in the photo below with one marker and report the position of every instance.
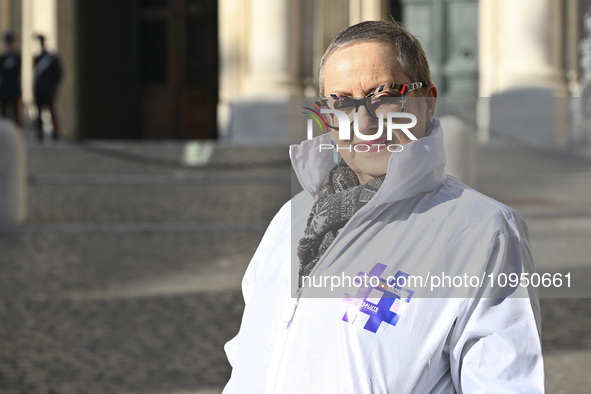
(340, 120)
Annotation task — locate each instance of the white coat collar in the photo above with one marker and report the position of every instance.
(419, 168)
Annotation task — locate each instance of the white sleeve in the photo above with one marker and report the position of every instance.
(257, 263)
(496, 346)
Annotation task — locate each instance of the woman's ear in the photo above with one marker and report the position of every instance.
(431, 99)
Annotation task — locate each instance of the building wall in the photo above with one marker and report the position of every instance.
(5, 17)
(38, 17)
(521, 42)
(55, 20)
(66, 48)
(10, 17)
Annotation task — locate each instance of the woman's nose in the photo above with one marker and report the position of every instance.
(366, 122)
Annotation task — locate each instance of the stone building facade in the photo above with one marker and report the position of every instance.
(204, 69)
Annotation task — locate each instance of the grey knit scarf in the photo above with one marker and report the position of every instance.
(340, 197)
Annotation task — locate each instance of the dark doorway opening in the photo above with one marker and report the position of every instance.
(148, 69)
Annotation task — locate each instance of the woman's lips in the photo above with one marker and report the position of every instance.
(380, 141)
(371, 146)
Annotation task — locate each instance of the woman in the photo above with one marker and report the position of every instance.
(335, 310)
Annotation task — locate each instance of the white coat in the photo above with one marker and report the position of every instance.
(422, 222)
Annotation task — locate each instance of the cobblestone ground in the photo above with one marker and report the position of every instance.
(126, 277)
(151, 344)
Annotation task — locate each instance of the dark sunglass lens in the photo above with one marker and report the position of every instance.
(344, 104)
(384, 104)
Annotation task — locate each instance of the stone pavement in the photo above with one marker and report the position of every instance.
(125, 278)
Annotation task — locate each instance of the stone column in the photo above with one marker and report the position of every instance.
(5, 12)
(521, 55)
(533, 38)
(461, 149)
(330, 19)
(273, 73)
(581, 130)
(38, 17)
(66, 45)
(274, 49)
(366, 10)
(521, 45)
(13, 174)
(232, 33)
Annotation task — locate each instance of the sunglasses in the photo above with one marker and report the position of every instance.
(384, 99)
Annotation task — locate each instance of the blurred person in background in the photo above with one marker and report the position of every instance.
(10, 79)
(386, 213)
(47, 75)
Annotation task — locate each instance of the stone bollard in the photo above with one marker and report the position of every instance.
(461, 149)
(13, 187)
